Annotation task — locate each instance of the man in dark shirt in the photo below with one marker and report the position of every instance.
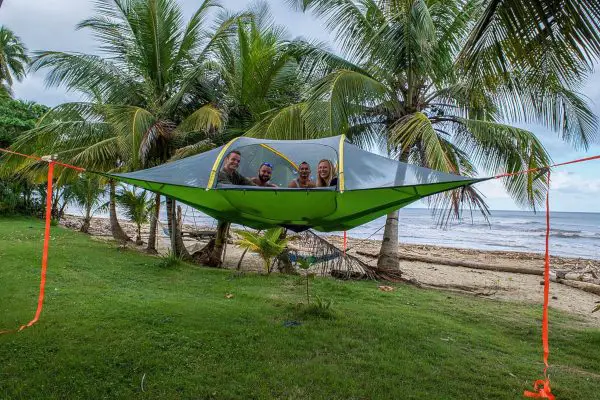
(229, 174)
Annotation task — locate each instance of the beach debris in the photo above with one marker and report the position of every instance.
(385, 288)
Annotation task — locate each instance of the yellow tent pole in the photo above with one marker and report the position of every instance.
(280, 154)
(213, 171)
(341, 164)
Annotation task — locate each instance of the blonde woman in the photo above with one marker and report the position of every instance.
(325, 174)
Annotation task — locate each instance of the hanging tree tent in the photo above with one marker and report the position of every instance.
(369, 185)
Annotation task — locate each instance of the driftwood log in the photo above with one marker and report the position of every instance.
(478, 291)
(465, 264)
(585, 286)
(571, 279)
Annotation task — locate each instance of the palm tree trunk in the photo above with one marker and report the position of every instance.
(85, 227)
(138, 239)
(115, 228)
(216, 254)
(55, 198)
(153, 226)
(177, 246)
(388, 254)
(283, 260)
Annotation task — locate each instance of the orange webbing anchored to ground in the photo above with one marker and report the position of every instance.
(542, 387)
(46, 232)
(45, 251)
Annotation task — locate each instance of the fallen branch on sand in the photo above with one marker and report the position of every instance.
(585, 286)
(462, 288)
(465, 264)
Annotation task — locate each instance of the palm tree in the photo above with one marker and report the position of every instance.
(149, 93)
(88, 192)
(260, 70)
(426, 82)
(138, 207)
(13, 59)
(267, 245)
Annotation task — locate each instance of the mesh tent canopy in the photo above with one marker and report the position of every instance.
(369, 185)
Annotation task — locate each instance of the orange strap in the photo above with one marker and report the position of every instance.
(45, 251)
(549, 166)
(41, 159)
(541, 388)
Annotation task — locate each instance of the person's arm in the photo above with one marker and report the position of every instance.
(248, 181)
(293, 184)
(223, 177)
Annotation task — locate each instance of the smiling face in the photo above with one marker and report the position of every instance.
(324, 170)
(232, 162)
(264, 173)
(304, 170)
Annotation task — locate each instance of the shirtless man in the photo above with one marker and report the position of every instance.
(303, 181)
(229, 174)
(264, 175)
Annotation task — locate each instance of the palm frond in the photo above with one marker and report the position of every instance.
(192, 149)
(500, 148)
(347, 93)
(207, 119)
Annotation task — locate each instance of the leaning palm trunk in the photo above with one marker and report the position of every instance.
(388, 254)
(283, 260)
(211, 255)
(154, 226)
(216, 255)
(177, 246)
(115, 228)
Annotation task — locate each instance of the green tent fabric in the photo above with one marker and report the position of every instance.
(369, 185)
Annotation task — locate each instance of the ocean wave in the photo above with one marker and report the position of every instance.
(572, 235)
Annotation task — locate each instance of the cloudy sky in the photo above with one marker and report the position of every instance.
(49, 25)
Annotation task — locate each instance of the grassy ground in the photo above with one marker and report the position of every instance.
(115, 318)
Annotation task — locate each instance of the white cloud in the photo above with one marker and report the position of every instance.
(564, 181)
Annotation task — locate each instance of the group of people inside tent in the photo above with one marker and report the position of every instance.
(229, 174)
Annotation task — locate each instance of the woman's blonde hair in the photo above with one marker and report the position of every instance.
(327, 181)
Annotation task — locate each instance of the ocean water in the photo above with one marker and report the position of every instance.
(572, 234)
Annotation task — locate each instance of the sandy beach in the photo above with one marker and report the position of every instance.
(464, 270)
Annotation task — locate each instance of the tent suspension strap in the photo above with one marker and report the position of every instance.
(51, 164)
(541, 387)
(40, 304)
(357, 245)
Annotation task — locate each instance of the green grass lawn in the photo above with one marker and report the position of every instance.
(113, 318)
